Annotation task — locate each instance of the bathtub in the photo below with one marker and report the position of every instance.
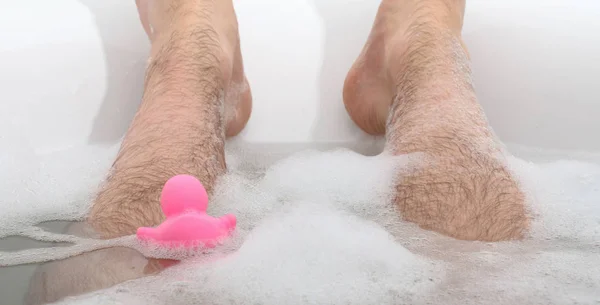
(72, 75)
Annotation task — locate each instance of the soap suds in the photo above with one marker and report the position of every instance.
(319, 228)
(39, 187)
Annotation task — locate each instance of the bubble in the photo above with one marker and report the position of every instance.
(321, 228)
(59, 185)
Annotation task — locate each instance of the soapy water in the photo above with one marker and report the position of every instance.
(319, 228)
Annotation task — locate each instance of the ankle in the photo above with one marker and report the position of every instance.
(193, 53)
(420, 29)
(406, 36)
(422, 50)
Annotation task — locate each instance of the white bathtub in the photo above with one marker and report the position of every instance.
(71, 74)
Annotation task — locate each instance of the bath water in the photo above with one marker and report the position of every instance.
(317, 227)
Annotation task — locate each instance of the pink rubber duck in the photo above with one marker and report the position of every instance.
(184, 202)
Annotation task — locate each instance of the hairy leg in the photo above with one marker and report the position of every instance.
(195, 94)
(194, 75)
(413, 83)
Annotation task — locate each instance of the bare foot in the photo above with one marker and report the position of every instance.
(412, 82)
(161, 18)
(198, 36)
(371, 83)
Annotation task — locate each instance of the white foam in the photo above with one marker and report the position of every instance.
(44, 186)
(350, 181)
(307, 254)
(564, 199)
(318, 228)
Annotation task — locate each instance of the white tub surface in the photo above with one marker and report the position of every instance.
(72, 70)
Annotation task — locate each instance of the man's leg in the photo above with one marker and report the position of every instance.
(195, 95)
(413, 83)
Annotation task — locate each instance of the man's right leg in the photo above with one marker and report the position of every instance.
(195, 93)
(413, 83)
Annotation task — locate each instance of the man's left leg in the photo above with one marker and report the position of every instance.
(412, 83)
